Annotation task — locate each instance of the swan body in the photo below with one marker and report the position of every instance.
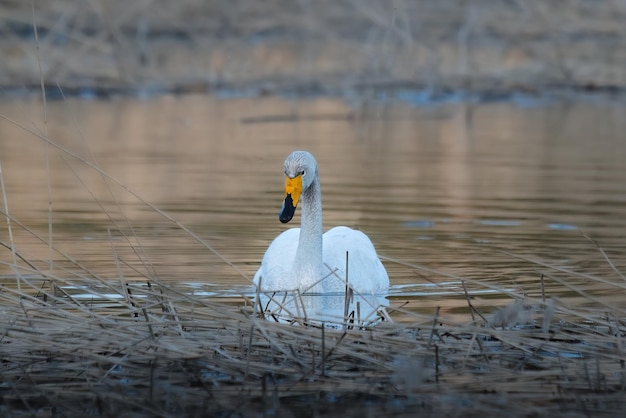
(303, 258)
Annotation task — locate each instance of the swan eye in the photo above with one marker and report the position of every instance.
(302, 173)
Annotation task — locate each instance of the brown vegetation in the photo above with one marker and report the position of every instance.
(76, 347)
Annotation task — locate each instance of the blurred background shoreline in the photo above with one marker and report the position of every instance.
(434, 50)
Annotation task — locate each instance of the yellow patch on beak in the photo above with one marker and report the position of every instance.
(293, 187)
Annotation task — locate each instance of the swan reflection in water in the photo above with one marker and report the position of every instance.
(331, 309)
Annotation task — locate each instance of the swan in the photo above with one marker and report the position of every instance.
(302, 258)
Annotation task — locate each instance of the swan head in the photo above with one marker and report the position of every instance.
(300, 171)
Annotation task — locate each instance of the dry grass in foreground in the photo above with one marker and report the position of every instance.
(149, 350)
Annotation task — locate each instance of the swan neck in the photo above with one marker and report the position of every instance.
(309, 253)
(311, 222)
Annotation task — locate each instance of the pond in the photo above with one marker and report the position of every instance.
(480, 202)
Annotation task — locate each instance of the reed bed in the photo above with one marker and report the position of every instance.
(74, 343)
(148, 349)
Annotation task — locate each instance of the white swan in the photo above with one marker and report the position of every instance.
(304, 259)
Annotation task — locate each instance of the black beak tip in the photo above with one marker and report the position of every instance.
(288, 210)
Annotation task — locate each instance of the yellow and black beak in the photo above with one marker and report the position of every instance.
(293, 190)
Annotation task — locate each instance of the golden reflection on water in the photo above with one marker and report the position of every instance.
(448, 187)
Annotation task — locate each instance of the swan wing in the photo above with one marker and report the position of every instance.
(366, 273)
(277, 264)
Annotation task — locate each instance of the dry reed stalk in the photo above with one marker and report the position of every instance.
(606, 257)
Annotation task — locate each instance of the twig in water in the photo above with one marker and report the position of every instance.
(249, 351)
(120, 273)
(348, 295)
(433, 330)
(606, 257)
(45, 133)
(323, 353)
(350, 321)
(257, 300)
(468, 301)
(145, 315)
(436, 363)
(10, 230)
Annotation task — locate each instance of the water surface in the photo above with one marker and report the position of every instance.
(475, 191)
